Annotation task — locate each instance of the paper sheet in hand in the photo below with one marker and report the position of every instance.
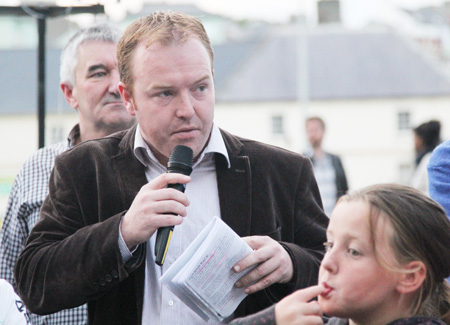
(202, 277)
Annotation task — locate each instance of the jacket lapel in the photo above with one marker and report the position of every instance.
(235, 192)
(130, 173)
(235, 187)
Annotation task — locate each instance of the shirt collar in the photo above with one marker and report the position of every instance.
(215, 145)
(74, 135)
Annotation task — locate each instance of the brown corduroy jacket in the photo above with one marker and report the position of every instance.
(72, 255)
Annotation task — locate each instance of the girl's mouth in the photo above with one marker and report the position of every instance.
(328, 289)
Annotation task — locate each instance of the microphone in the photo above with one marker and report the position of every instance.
(180, 161)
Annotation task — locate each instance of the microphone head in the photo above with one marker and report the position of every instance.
(181, 160)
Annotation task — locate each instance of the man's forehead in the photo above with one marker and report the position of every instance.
(91, 45)
(94, 51)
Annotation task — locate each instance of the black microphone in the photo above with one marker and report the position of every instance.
(180, 161)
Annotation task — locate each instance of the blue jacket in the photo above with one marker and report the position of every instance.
(439, 175)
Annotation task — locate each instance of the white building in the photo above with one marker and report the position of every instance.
(370, 87)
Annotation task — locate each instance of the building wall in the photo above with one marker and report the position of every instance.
(365, 133)
(19, 139)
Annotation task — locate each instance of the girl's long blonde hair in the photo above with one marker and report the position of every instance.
(421, 232)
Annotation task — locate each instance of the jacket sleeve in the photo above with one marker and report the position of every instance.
(341, 179)
(72, 254)
(439, 175)
(304, 242)
(265, 316)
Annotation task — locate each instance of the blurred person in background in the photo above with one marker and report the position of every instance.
(427, 136)
(328, 168)
(89, 78)
(439, 175)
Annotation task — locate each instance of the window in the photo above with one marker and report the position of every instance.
(277, 124)
(56, 134)
(404, 121)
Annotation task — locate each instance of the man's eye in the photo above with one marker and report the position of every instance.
(202, 88)
(99, 74)
(165, 93)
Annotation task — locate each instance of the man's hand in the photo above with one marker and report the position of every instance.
(275, 265)
(150, 208)
(298, 309)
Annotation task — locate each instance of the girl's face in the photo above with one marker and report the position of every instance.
(357, 286)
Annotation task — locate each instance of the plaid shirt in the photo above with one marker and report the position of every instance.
(29, 190)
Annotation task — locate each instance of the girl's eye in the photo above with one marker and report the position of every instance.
(328, 245)
(353, 252)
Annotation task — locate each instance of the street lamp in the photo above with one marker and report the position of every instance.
(41, 13)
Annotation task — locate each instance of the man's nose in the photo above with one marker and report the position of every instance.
(185, 106)
(114, 82)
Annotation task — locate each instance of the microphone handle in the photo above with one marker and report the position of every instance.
(164, 234)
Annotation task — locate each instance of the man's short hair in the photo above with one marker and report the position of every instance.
(318, 119)
(69, 54)
(164, 27)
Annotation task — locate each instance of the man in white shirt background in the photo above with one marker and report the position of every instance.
(328, 168)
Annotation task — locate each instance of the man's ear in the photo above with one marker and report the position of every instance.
(127, 98)
(68, 95)
(413, 278)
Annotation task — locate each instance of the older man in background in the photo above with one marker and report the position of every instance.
(89, 78)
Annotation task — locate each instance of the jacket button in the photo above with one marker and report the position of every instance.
(96, 286)
(102, 282)
(108, 278)
(114, 274)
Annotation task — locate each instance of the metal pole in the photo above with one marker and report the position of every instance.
(41, 80)
(41, 13)
(303, 76)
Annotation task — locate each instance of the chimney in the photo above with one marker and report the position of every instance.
(329, 11)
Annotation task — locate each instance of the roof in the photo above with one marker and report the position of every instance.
(342, 65)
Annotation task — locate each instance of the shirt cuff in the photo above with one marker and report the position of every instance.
(124, 251)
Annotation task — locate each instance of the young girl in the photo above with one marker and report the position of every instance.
(387, 257)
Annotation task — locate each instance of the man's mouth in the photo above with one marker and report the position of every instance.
(185, 131)
(115, 103)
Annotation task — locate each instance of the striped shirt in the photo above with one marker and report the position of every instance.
(326, 180)
(161, 306)
(29, 191)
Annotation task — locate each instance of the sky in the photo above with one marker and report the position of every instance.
(355, 13)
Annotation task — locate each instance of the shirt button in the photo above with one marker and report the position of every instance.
(170, 302)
